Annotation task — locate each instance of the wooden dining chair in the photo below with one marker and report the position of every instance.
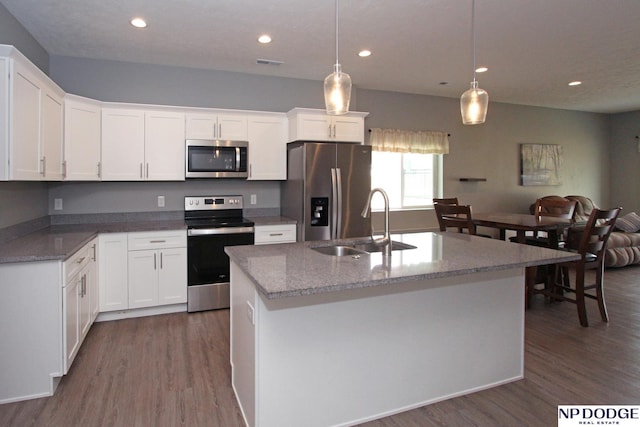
(551, 207)
(446, 201)
(591, 247)
(455, 216)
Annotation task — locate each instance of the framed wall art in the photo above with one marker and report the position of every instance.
(540, 164)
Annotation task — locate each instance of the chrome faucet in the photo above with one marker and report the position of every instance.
(386, 239)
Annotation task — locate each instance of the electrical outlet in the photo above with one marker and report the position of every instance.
(161, 201)
(57, 204)
(250, 313)
(254, 199)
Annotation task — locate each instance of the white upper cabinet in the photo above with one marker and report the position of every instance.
(139, 145)
(267, 147)
(82, 118)
(31, 115)
(122, 144)
(164, 148)
(307, 124)
(216, 125)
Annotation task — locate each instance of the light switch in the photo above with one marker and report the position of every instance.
(161, 201)
(254, 199)
(57, 204)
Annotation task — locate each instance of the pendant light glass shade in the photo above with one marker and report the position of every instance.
(475, 101)
(473, 105)
(337, 91)
(337, 85)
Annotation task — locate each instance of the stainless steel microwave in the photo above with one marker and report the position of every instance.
(216, 159)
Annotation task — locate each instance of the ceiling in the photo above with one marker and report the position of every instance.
(533, 48)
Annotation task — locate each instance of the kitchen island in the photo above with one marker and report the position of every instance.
(338, 340)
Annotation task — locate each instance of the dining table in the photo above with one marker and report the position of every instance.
(521, 224)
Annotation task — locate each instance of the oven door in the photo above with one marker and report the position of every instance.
(216, 159)
(208, 265)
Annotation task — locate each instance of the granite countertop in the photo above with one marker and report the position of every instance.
(271, 220)
(58, 242)
(294, 269)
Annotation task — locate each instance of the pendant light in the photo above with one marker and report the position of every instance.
(475, 101)
(337, 85)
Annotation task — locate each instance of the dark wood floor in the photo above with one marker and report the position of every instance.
(174, 370)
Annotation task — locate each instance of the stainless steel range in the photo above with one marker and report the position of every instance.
(213, 222)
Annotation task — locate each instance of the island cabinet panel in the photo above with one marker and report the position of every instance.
(346, 357)
(27, 373)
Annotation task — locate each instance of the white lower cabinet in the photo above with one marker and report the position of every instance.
(114, 294)
(79, 299)
(142, 269)
(268, 234)
(157, 268)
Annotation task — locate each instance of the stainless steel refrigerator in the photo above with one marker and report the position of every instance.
(326, 189)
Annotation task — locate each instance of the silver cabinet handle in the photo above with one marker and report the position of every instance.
(81, 260)
(141, 171)
(157, 241)
(275, 234)
(43, 165)
(99, 169)
(160, 260)
(94, 252)
(147, 170)
(329, 131)
(64, 169)
(155, 266)
(219, 130)
(334, 130)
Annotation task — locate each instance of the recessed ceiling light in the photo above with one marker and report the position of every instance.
(264, 39)
(138, 23)
(575, 83)
(482, 70)
(364, 53)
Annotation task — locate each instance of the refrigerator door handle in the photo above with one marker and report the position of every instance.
(334, 204)
(339, 203)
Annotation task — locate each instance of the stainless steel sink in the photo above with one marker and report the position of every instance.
(360, 248)
(373, 247)
(339, 250)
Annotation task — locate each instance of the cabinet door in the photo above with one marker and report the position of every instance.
(143, 278)
(348, 129)
(314, 127)
(25, 126)
(51, 136)
(164, 146)
(122, 144)
(172, 279)
(112, 272)
(70, 304)
(82, 140)
(201, 126)
(267, 148)
(232, 127)
(84, 302)
(93, 288)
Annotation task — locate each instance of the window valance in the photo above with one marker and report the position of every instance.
(408, 141)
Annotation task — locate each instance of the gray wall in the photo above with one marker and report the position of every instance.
(13, 33)
(625, 158)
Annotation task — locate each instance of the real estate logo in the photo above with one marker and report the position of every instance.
(598, 415)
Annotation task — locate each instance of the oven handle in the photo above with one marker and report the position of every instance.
(223, 230)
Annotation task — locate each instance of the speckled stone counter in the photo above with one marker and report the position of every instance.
(58, 242)
(271, 220)
(296, 269)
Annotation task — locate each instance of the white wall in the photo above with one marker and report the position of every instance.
(625, 155)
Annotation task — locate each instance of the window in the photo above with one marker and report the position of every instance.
(411, 180)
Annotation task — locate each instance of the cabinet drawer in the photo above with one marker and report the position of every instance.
(77, 261)
(157, 240)
(267, 234)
